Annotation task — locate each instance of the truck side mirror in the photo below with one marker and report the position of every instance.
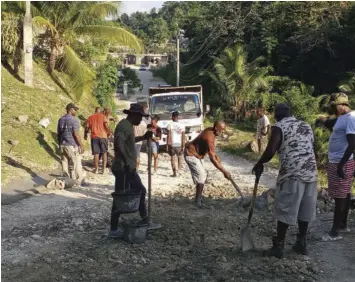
(207, 109)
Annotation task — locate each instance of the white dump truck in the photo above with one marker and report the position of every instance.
(187, 100)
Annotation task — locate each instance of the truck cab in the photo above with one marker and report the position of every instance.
(187, 100)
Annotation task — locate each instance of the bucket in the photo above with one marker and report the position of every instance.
(135, 232)
(126, 202)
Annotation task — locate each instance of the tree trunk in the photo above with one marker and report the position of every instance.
(52, 59)
(27, 45)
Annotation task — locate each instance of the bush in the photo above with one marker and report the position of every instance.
(131, 77)
(106, 77)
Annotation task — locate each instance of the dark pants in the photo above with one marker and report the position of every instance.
(132, 183)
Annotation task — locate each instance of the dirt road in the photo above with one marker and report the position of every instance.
(61, 235)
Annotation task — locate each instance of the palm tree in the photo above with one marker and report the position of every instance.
(348, 85)
(66, 22)
(27, 45)
(237, 79)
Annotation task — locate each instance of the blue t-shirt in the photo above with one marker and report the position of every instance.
(67, 125)
(338, 143)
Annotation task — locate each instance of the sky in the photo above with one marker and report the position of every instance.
(129, 7)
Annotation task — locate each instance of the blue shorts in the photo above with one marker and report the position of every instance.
(138, 150)
(155, 147)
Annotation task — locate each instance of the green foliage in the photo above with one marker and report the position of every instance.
(91, 49)
(106, 77)
(131, 77)
(321, 139)
(11, 37)
(167, 72)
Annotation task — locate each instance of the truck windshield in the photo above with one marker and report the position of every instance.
(183, 103)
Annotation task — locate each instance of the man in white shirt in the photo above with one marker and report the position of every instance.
(176, 141)
(139, 130)
(263, 127)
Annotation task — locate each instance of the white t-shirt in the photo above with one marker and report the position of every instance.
(262, 123)
(338, 143)
(176, 129)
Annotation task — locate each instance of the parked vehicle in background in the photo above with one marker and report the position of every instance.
(187, 100)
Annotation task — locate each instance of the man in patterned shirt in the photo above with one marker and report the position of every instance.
(296, 193)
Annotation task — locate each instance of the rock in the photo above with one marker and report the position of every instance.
(13, 142)
(78, 222)
(44, 122)
(23, 118)
(224, 259)
(56, 184)
(36, 237)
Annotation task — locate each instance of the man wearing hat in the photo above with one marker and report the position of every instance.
(124, 164)
(296, 192)
(70, 144)
(341, 164)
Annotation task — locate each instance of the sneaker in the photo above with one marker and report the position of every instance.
(116, 234)
(154, 226)
(328, 237)
(151, 225)
(345, 230)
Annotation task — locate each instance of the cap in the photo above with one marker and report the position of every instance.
(72, 106)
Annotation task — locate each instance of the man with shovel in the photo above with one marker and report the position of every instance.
(296, 193)
(124, 165)
(196, 150)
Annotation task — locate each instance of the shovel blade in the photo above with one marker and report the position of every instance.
(246, 240)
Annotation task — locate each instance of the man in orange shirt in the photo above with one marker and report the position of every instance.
(97, 124)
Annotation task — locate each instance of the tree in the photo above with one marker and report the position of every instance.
(27, 45)
(238, 80)
(67, 22)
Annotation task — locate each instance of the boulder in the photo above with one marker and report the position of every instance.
(13, 142)
(44, 122)
(23, 118)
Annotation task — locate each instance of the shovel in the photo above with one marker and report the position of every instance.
(237, 188)
(246, 240)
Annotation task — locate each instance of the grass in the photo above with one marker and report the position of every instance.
(37, 149)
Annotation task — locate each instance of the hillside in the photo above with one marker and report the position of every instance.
(37, 148)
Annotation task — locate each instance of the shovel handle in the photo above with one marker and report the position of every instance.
(237, 188)
(149, 144)
(252, 203)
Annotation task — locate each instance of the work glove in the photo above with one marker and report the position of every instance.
(258, 170)
(341, 171)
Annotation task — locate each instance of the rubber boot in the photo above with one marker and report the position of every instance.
(301, 245)
(277, 250)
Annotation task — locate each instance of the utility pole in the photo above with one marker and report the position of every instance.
(27, 45)
(178, 59)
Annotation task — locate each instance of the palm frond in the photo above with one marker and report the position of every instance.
(82, 77)
(113, 34)
(34, 11)
(41, 21)
(104, 9)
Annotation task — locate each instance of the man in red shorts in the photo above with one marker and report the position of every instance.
(341, 164)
